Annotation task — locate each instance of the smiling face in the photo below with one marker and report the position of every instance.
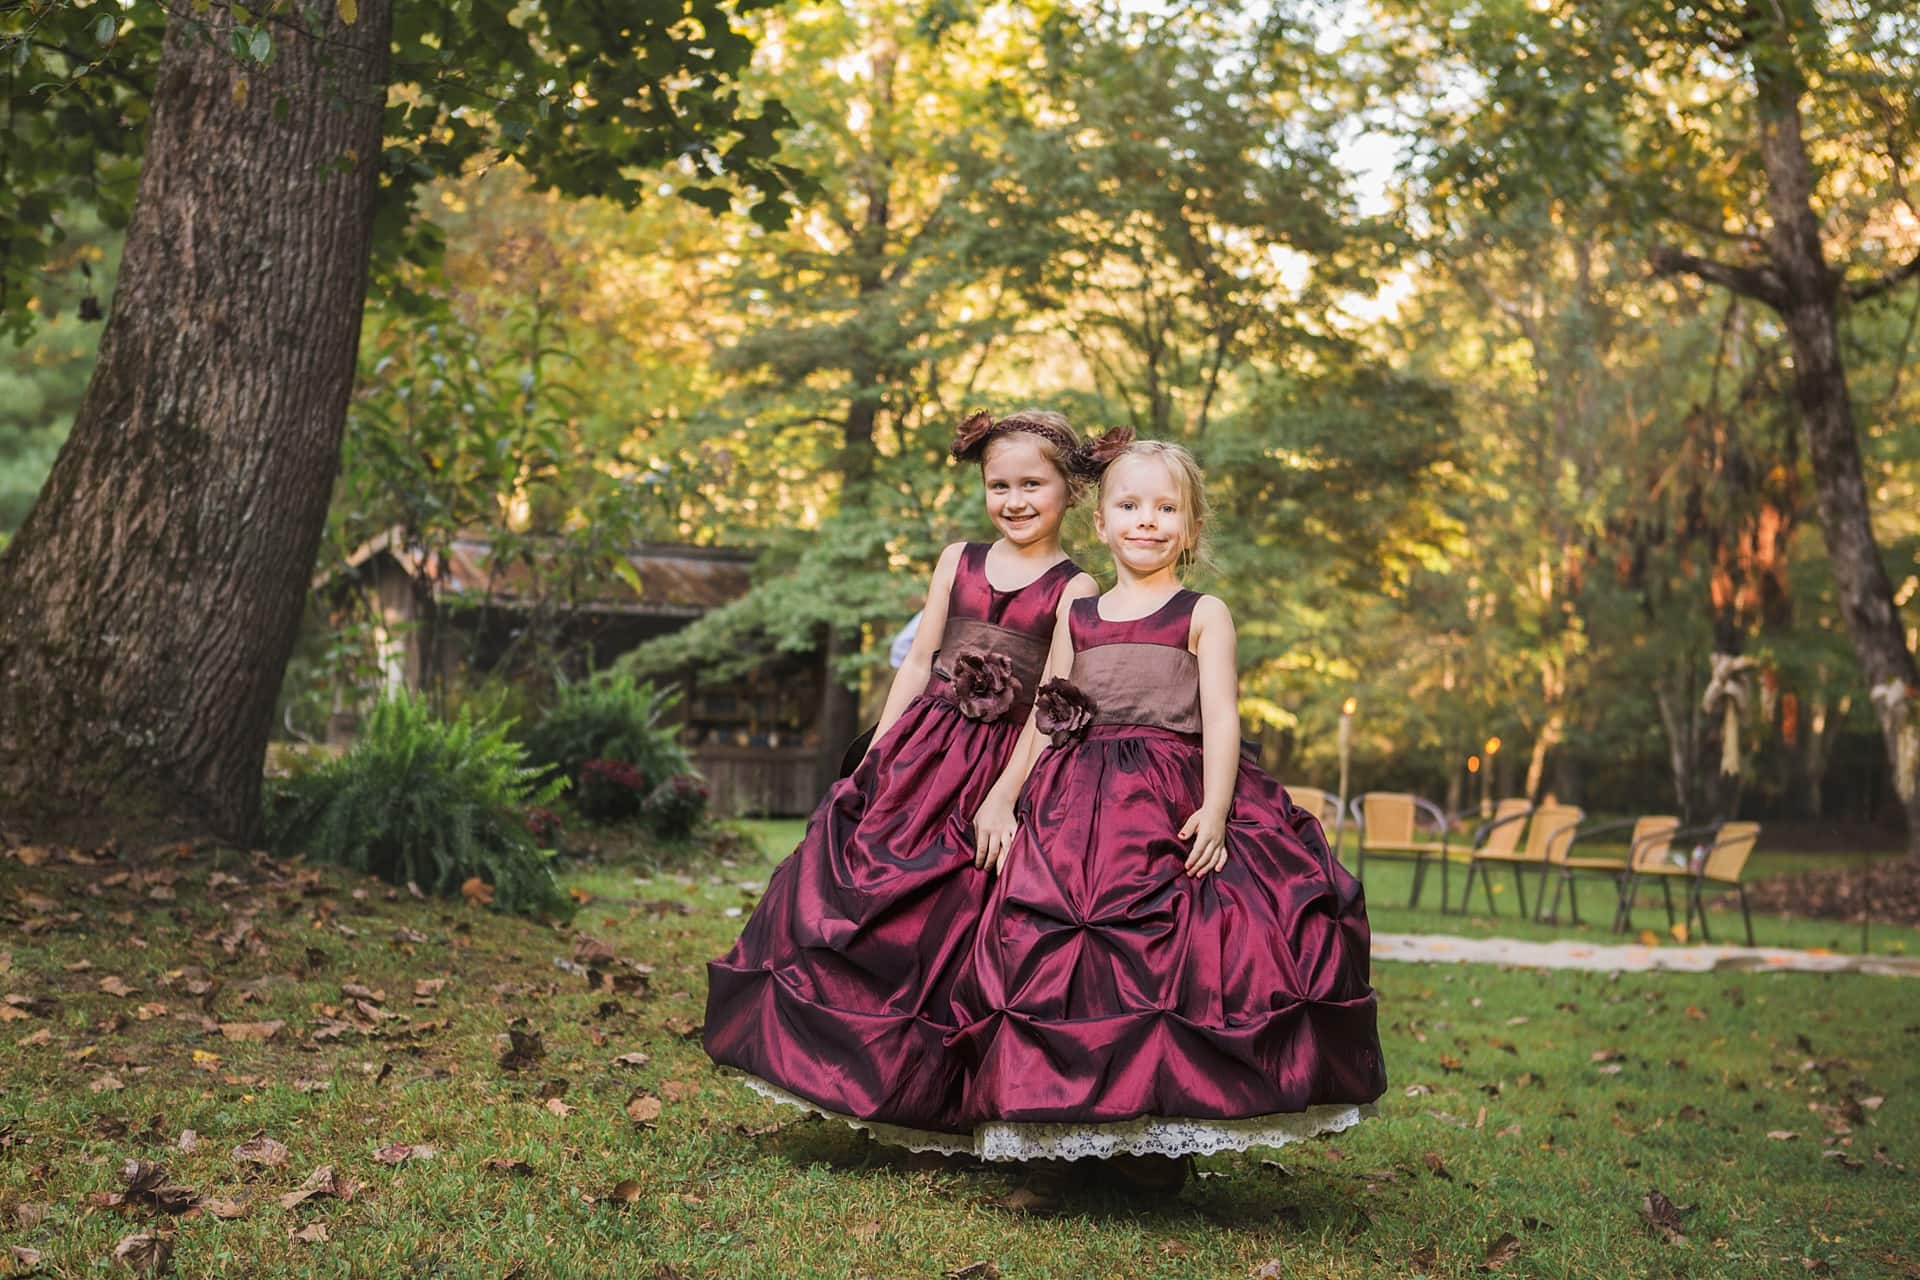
(1144, 516)
(1026, 492)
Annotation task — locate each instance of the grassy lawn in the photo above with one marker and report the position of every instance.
(1544, 1107)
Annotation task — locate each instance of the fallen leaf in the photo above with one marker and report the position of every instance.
(115, 985)
(312, 1233)
(643, 1108)
(1271, 1269)
(625, 1192)
(982, 1270)
(523, 1050)
(677, 1090)
(477, 891)
(255, 1032)
(220, 1207)
(1782, 1135)
(1424, 1258)
(427, 987)
(1608, 1055)
(261, 1150)
(681, 1027)
(144, 1254)
(632, 1060)
(398, 1152)
(321, 1182)
(559, 1108)
(1501, 1251)
(503, 1164)
(1026, 1200)
(1438, 1167)
(1664, 1216)
(22, 1260)
(105, 1084)
(593, 953)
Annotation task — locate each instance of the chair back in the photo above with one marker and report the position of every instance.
(1550, 834)
(1504, 836)
(1732, 846)
(1321, 804)
(1652, 841)
(1386, 817)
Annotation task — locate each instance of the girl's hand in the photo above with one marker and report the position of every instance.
(1208, 831)
(993, 829)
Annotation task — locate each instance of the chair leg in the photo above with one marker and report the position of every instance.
(1553, 912)
(1445, 864)
(1466, 889)
(1745, 914)
(1420, 879)
(1486, 887)
(1666, 888)
(1520, 891)
(1573, 896)
(1700, 906)
(1629, 889)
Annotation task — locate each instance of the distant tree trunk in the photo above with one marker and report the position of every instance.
(1797, 282)
(149, 604)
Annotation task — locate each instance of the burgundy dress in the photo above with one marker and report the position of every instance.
(838, 994)
(1114, 1004)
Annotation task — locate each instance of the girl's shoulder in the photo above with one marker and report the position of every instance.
(1209, 613)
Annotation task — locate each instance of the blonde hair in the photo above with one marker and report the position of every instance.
(1189, 481)
(1047, 442)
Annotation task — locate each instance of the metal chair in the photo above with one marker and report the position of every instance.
(1325, 806)
(1497, 840)
(1724, 862)
(1388, 824)
(1550, 826)
(1652, 836)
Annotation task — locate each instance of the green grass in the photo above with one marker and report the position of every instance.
(1493, 1080)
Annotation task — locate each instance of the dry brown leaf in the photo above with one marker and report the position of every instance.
(1664, 1216)
(1500, 1251)
(220, 1207)
(426, 987)
(1271, 1269)
(255, 1032)
(21, 1260)
(1782, 1135)
(632, 1060)
(1438, 1167)
(559, 1107)
(106, 1084)
(312, 1233)
(643, 1108)
(115, 985)
(477, 891)
(321, 1182)
(398, 1152)
(261, 1150)
(625, 1192)
(503, 1164)
(144, 1254)
(523, 1050)
(982, 1270)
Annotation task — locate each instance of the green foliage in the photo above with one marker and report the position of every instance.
(609, 716)
(425, 800)
(674, 810)
(589, 98)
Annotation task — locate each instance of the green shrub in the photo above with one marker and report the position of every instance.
(676, 807)
(425, 800)
(608, 717)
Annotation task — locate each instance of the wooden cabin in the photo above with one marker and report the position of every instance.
(760, 740)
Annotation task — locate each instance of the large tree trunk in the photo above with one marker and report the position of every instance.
(1797, 282)
(150, 601)
(1810, 309)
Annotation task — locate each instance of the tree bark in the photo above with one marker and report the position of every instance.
(1800, 285)
(150, 602)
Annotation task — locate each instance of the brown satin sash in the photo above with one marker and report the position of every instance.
(1150, 684)
(1028, 654)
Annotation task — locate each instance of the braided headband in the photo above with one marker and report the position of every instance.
(1088, 459)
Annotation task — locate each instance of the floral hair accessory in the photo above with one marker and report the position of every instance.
(1098, 453)
(1062, 711)
(984, 686)
(970, 441)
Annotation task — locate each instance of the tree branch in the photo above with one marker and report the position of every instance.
(1760, 283)
(1885, 283)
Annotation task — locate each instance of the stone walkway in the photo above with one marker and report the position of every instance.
(1440, 948)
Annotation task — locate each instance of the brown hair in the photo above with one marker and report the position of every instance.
(1050, 432)
(1191, 483)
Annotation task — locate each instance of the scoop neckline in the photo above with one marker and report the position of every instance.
(1121, 622)
(1004, 591)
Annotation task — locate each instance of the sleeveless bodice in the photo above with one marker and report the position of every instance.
(1138, 671)
(1016, 624)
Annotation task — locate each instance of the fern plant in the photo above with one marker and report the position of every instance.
(426, 800)
(609, 717)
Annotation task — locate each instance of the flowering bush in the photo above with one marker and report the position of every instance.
(609, 790)
(676, 806)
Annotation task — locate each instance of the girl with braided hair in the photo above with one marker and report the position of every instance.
(836, 996)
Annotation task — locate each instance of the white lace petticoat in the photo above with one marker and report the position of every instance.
(1069, 1140)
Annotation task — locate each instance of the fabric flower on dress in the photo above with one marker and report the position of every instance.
(984, 686)
(1063, 711)
(1093, 457)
